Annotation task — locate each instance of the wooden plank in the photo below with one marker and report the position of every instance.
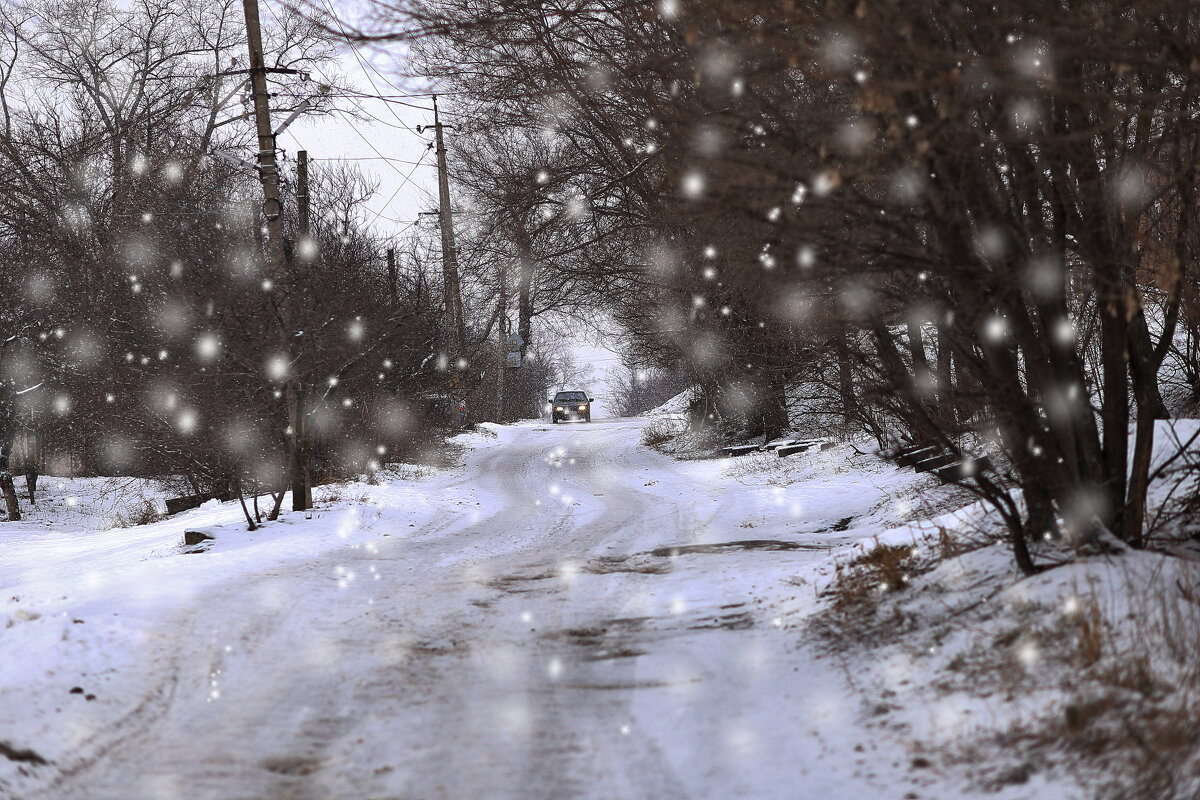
(800, 447)
(740, 449)
(962, 470)
(909, 457)
(935, 462)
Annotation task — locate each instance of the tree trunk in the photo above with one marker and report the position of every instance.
(10, 495)
(845, 375)
(945, 377)
(33, 446)
(299, 450)
(920, 363)
(1134, 514)
(1114, 411)
(501, 344)
(525, 292)
(1146, 369)
(774, 406)
(278, 498)
(1191, 359)
(1039, 520)
(6, 479)
(393, 277)
(242, 499)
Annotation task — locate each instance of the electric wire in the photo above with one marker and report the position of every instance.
(405, 178)
(364, 65)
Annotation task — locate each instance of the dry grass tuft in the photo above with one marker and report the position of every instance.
(948, 546)
(660, 432)
(879, 571)
(1134, 694)
(1090, 633)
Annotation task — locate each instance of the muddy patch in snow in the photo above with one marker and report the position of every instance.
(515, 584)
(721, 547)
(614, 653)
(610, 640)
(291, 765)
(641, 563)
(735, 621)
(610, 564)
(21, 754)
(624, 686)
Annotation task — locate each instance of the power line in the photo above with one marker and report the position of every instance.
(408, 95)
(380, 97)
(407, 179)
(369, 158)
(374, 118)
(364, 65)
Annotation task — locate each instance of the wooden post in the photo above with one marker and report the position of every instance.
(301, 477)
(272, 211)
(456, 325)
(302, 192)
(502, 342)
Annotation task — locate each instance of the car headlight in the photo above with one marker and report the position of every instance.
(558, 408)
(583, 408)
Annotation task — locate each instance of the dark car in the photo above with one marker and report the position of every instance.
(571, 405)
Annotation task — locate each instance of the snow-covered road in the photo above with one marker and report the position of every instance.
(570, 615)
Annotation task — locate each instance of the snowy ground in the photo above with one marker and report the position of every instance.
(567, 615)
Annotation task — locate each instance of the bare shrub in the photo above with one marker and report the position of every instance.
(409, 472)
(144, 513)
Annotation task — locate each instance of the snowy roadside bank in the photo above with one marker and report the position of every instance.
(1077, 681)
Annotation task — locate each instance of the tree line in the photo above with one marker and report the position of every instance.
(969, 225)
(140, 325)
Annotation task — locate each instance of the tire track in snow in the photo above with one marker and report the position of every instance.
(425, 695)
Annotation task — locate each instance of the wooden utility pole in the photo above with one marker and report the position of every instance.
(272, 211)
(456, 325)
(301, 482)
(393, 276)
(302, 192)
(267, 171)
(502, 343)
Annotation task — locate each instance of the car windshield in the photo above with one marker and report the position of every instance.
(570, 397)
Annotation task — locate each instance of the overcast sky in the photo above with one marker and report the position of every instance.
(380, 136)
